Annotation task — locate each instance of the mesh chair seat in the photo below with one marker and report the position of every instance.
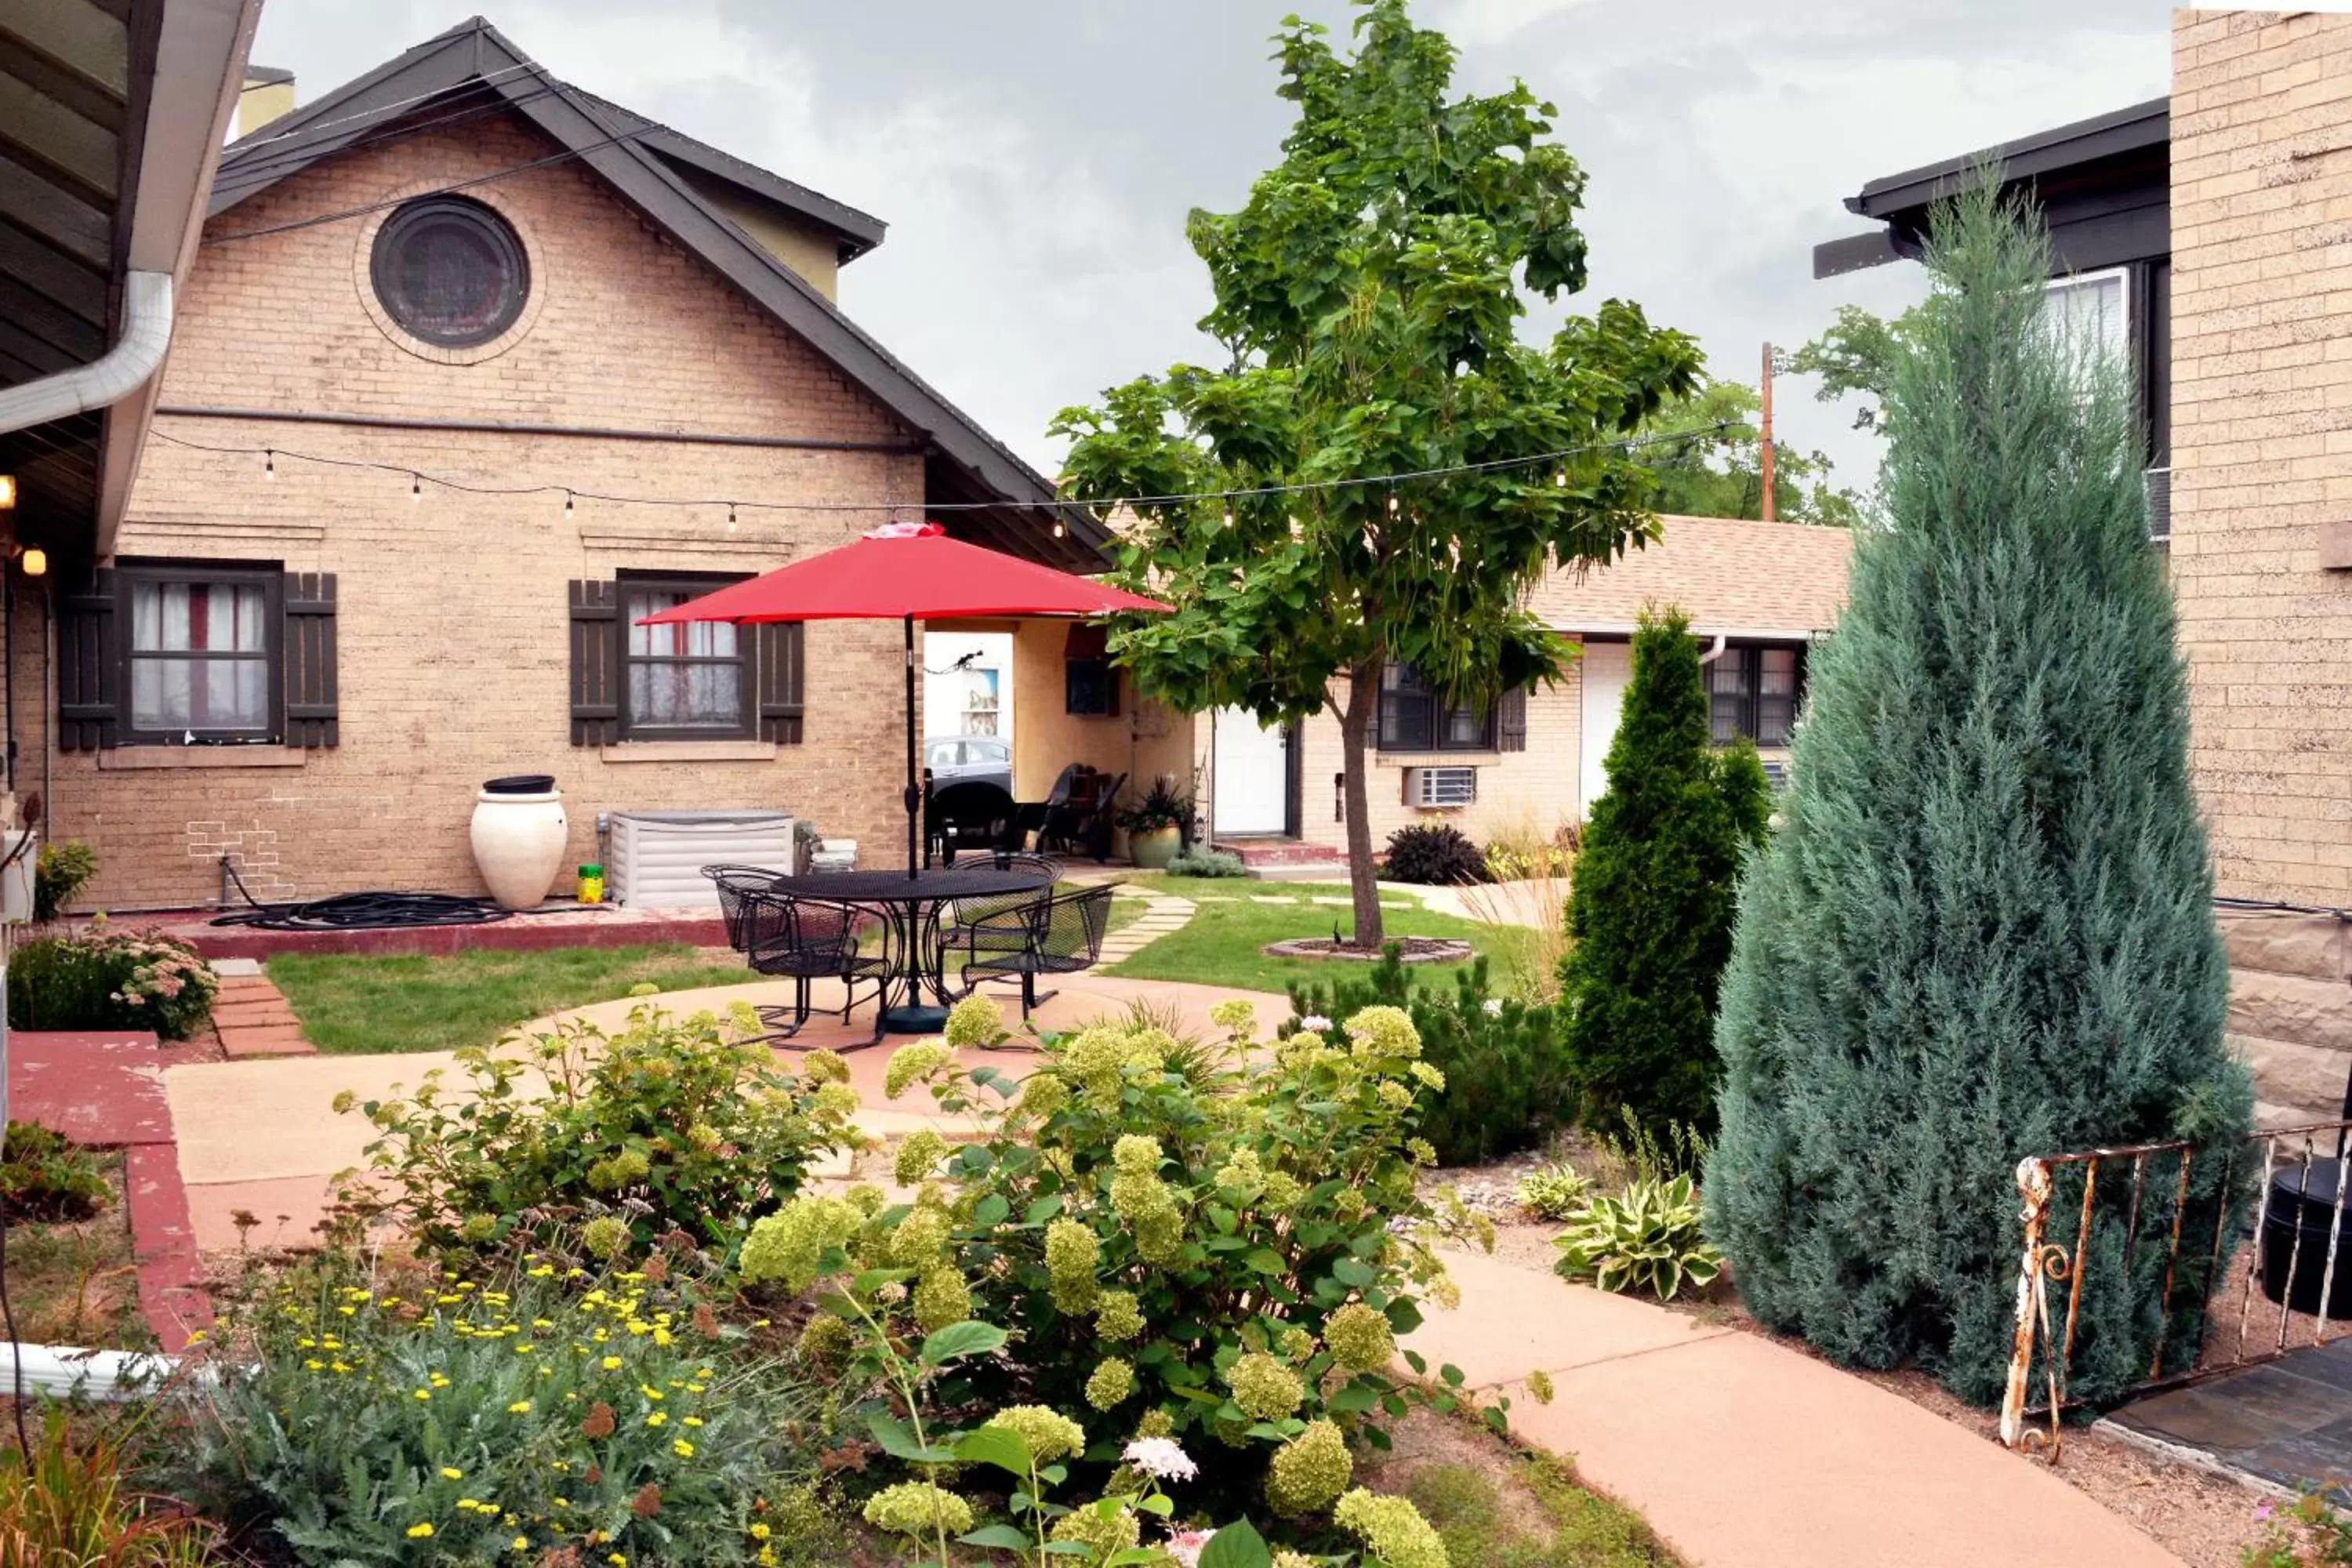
(800, 940)
(1058, 933)
(977, 926)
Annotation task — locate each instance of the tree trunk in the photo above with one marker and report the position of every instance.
(1363, 691)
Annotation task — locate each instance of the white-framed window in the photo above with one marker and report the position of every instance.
(2093, 307)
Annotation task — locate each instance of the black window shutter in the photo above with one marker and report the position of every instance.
(89, 679)
(595, 662)
(310, 660)
(1511, 721)
(783, 660)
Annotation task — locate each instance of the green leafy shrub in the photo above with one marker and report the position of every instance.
(1434, 854)
(682, 1123)
(1984, 928)
(68, 1503)
(1506, 1071)
(1203, 862)
(1553, 1193)
(421, 1418)
(1650, 914)
(1229, 1256)
(108, 979)
(46, 1179)
(1645, 1239)
(59, 871)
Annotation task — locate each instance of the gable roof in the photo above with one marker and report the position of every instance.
(473, 65)
(1733, 576)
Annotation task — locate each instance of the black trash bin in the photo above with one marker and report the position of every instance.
(2305, 1202)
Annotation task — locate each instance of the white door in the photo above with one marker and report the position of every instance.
(1250, 787)
(1607, 667)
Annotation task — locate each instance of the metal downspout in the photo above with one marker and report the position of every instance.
(115, 374)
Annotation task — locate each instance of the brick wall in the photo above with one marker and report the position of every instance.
(2262, 438)
(452, 626)
(1534, 789)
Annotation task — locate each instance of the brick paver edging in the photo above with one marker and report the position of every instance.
(106, 1089)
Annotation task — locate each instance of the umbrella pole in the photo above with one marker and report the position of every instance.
(914, 788)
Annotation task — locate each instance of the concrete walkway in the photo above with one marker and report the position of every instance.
(263, 1138)
(1164, 913)
(1744, 1454)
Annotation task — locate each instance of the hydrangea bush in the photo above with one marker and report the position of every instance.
(1222, 1257)
(673, 1123)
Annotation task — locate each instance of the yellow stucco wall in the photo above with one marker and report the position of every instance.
(1145, 739)
(810, 252)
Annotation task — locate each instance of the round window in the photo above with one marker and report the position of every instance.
(450, 271)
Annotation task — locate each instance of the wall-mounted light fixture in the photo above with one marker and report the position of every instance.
(7, 492)
(34, 562)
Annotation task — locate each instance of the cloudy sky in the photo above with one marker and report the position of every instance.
(1035, 158)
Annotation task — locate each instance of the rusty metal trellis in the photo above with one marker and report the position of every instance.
(2037, 1424)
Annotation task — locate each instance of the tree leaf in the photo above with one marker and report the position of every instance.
(957, 1340)
(897, 1440)
(998, 1445)
(1236, 1545)
(1002, 1537)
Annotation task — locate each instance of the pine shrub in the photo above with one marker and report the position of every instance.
(1507, 1078)
(1650, 914)
(1984, 927)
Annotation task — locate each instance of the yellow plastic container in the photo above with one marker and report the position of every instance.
(592, 884)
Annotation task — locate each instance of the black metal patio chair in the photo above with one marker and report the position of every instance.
(1058, 934)
(975, 926)
(800, 939)
(733, 882)
(973, 814)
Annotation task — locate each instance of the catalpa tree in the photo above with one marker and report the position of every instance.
(1369, 298)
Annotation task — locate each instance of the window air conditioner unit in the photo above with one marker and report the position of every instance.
(1440, 789)
(2159, 505)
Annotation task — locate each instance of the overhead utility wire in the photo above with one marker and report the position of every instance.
(418, 478)
(247, 175)
(382, 109)
(316, 220)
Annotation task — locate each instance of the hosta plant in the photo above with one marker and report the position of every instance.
(1222, 1255)
(1645, 1241)
(673, 1123)
(1554, 1192)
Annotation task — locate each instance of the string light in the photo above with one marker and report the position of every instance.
(416, 487)
(1536, 460)
(1058, 529)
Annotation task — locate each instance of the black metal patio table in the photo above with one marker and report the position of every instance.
(909, 907)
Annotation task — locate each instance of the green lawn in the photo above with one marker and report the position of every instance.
(1221, 944)
(357, 1003)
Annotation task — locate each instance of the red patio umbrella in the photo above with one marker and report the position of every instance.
(906, 572)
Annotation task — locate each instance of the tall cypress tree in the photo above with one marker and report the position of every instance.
(1649, 911)
(1985, 927)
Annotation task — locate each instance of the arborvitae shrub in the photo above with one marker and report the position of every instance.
(1984, 927)
(1649, 915)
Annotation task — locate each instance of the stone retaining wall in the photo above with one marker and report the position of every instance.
(2291, 1009)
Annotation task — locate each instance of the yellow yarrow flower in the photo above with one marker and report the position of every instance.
(421, 1531)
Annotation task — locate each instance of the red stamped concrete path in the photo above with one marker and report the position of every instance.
(107, 1088)
(1744, 1454)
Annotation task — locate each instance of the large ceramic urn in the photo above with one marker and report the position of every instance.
(520, 832)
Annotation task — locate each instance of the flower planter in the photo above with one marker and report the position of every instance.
(1152, 847)
(518, 835)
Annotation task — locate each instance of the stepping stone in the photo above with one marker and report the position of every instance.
(260, 1010)
(241, 1042)
(238, 968)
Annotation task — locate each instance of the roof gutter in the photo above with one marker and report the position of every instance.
(114, 376)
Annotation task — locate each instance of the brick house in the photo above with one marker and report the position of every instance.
(1758, 592)
(2204, 232)
(438, 321)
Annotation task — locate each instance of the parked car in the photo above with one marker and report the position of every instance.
(960, 759)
